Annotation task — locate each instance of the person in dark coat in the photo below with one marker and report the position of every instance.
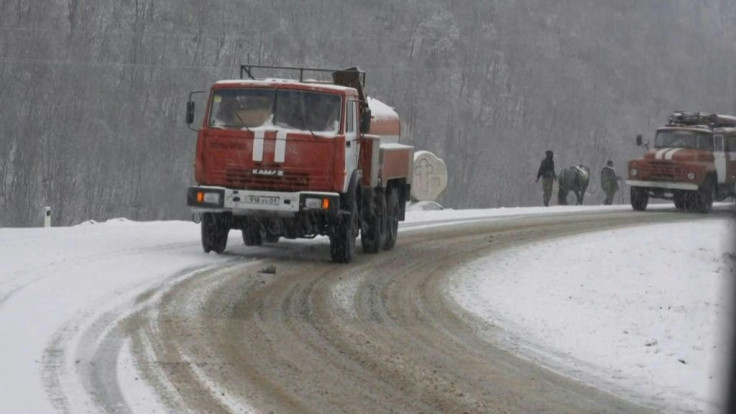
(609, 182)
(547, 173)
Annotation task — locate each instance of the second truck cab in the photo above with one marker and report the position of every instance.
(693, 162)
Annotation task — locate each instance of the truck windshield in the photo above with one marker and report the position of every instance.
(252, 108)
(313, 111)
(240, 108)
(684, 139)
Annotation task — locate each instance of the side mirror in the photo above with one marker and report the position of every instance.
(638, 140)
(365, 121)
(190, 112)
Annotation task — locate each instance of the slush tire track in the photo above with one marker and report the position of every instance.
(12, 286)
(84, 352)
(286, 343)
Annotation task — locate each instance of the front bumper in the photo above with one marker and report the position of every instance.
(663, 184)
(207, 199)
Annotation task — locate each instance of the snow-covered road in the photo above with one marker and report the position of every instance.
(638, 311)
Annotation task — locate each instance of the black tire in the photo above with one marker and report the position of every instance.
(272, 238)
(372, 234)
(703, 198)
(690, 201)
(252, 237)
(392, 219)
(342, 239)
(215, 228)
(639, 198)
(679, 199)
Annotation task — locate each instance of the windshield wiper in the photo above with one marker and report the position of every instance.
(241, 119)
(304, 124)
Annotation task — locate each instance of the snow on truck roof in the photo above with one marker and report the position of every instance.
(275, 82)
(380, 110)
(699, 128)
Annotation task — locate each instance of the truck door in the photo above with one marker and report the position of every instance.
(351, 141)
(730, 150)
(719, 159)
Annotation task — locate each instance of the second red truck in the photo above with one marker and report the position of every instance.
(693, 163)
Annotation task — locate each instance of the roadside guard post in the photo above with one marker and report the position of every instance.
(47, 217)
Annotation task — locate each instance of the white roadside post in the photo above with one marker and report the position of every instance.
(47, 217)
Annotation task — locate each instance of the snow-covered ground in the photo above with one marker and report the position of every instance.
(640, 311)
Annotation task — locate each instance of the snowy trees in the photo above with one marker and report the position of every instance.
(93, 92)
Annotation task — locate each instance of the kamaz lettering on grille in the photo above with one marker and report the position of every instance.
(271, 173)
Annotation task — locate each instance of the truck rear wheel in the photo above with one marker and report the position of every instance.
(392, 222)
(252, 232)
(342, 239)
(215, 228)
(679, 199)
(272, 238)
(252, 237)
(639, 198)
(372, 234)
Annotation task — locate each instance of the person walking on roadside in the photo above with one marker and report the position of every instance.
(547, 173)
(609, 182)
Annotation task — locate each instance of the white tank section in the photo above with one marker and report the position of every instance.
(430, 177)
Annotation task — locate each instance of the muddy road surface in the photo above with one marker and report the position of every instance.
(293, 333)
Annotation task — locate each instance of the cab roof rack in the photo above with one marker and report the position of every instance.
(702, 119)
(351, 77)
(247, 69)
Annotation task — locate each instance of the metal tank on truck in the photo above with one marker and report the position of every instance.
(298, 158)
(693, 162)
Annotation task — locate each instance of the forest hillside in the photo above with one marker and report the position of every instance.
(94, 91)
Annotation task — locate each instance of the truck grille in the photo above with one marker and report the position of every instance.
(290, 181)
(243, 178)
(662, 171)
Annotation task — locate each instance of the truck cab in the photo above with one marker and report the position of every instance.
(293, 158)
(692, 162)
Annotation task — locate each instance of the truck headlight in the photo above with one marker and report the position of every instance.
(633, 172)
(317, 203)
(691, 176)
(312, 203)
(206, 197)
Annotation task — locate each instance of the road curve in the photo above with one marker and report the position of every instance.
(378, 335)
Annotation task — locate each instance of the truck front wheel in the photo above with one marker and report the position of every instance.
(680, 200)
(215, 228)
(342, 238)
(639, 198)
(704, 197)
(392, 226)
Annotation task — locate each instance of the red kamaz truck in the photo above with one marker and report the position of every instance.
(298, 158)
(693, 162)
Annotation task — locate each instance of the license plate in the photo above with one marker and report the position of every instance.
(262, 200)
